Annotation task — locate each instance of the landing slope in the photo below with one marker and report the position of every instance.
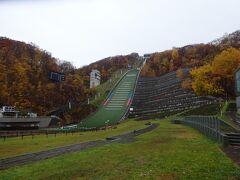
(116, 105)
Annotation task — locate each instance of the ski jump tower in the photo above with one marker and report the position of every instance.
(95, 78)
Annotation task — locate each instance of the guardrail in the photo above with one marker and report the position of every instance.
(211, 126)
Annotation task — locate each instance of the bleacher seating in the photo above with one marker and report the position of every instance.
(164, 96)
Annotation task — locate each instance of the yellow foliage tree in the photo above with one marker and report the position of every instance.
(223, 68)
(226, 63)
(175, 54)
(187, 84)
(202, 82)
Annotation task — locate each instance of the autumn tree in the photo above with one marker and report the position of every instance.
(4, 93)
(223, 68)
(226, 62)
(147, 71)
(217, 78)
(180, 74)
(175, 54)
(203, 83)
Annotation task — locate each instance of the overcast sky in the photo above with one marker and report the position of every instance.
(84, 31)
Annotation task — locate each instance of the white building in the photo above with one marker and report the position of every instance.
(8, 109)
(95, 78)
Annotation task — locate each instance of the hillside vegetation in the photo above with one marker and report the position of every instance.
(212, 64)
(24, 82)
(24, 71)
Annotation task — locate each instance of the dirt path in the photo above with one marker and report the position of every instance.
(32, 157)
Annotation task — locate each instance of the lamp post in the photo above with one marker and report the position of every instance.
(106, 123)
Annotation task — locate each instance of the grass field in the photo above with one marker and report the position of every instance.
(171, 151)
(16, 146)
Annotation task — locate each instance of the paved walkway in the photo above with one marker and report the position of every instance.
(233, 116)
(32, 157)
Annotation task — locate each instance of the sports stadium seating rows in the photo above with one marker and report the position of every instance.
(164, 95)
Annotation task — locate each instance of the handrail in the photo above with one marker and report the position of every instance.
(127, 110)
(134, 90)
(91, 114)
(114, 87)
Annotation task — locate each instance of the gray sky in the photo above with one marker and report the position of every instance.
(84, 31)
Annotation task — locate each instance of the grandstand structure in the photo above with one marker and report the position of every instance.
(163, 96)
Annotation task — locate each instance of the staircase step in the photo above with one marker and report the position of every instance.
(234, 140)
(233, 135)
(235, 144)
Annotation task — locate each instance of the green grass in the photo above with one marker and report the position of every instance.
(207, 110)
(225, 106)
(16, 146)
(171, 151)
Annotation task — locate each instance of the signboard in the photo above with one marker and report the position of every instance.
(57, 77)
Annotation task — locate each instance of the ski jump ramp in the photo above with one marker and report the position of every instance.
(117, 104)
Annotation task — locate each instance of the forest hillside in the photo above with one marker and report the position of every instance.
(212, 65)
(25, 83)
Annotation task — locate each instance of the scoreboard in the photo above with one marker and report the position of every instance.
(56, 76)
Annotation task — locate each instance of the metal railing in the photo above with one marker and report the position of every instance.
(211, 126)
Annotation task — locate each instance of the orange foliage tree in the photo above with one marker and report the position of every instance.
(217, 78)
(202, 81)
(223, 68)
